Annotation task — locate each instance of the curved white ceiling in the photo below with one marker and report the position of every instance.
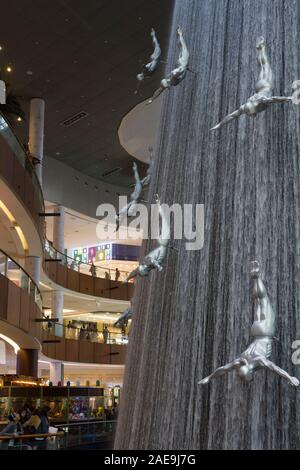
(139, 127)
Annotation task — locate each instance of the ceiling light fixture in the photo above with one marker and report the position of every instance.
(16, 226)
(8, 69)
(11, 342)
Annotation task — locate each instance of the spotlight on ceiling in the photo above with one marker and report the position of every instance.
(8, 69)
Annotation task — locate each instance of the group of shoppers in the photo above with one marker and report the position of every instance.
(89, 332)
(107, 275)
(27, 420)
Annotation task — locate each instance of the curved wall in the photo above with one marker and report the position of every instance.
(22, 182)
(18, 312)
(85, 284)
(70, 188)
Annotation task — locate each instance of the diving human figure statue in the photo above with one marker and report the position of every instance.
(155, 258)
(149, 68)
(123, 319)
(257, 355)
(263, 97)
(178, 74)
(135, 198)
(146, 180)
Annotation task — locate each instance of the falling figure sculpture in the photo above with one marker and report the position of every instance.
(147, 179)
(123, 319)
(130, 209)
(149, 69)
(264, 89)
(257, 355)
(155, 258)
(178, 74)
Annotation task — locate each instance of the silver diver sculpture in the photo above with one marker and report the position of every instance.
(177, 75)
(147, 179)
(263, 97)
(135, 197)
(123, 319)
(155, 258)
(149, 68)
(258, 353)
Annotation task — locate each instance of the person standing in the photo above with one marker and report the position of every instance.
(117, 274)
(93, 270)
(105, 333)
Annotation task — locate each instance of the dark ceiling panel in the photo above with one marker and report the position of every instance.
(83, 56)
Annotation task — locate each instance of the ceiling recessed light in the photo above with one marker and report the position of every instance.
(8, 69)
(19, 119)
(1, 48)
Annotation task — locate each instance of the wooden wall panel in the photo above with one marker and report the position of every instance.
(60, 349)
(72, 280)
(6, 162)
(61, 274)
(51, 347)
(117, 354)
(37, 208)
(86, 285)
(18, 182)
(102, 353)
(72, 350)
(3, 296)
(34, 313)
(24, 313)
(13, 304)
(101, 288)
(119, 291)
(29, 194)
(51, 270)
(86, 351)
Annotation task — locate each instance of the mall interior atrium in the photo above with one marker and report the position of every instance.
(149, 225)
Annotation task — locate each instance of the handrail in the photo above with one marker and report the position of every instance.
(72, 263)
(85, 334)
(19, 266)
(85, 423)
(5, 437)
(19, 151)
(38, 294)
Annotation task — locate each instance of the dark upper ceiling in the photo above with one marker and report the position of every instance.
(82, 56)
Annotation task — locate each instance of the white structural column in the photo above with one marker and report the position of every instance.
(57, 310)
(56, 373)
(58, 243)
(36, 148)
(36, 133)
(59, 229)
(33, 268)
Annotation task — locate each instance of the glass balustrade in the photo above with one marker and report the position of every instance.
(85, 268)
(19, 151)
(84, 334)
(15, 273)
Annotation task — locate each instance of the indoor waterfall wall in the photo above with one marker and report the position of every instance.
(196, 314)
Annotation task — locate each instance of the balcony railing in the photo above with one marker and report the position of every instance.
(84, 268)
(94, 434)
(19, 151)
(87, 434)
(16, 274)
(85, 334)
